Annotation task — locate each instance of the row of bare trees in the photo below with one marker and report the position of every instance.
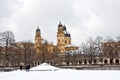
(92, 48)
(16, 53)
(95, 49)
(12, 53)
(6, 38)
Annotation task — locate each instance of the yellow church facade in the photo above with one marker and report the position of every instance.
(63, 42)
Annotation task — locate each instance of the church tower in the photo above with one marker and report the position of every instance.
(60, 39)
(38, 41)
(67, 36)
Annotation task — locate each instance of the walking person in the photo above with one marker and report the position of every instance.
(21, 67)
(27, 68)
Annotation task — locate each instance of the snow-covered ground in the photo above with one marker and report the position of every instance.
(52, 73)
(44, 67)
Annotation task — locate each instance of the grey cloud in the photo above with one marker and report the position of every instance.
(7, 7)
(83, 18)
(46, 14)
(7, 10)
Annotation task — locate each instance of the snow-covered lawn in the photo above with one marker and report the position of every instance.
(60, 74)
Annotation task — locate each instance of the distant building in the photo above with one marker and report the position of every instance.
(111, 53)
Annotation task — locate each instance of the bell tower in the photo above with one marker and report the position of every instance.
(38, 41)
(60, 39)
(67, 36)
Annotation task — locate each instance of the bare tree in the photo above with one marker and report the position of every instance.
(84, 48)
(91, 49)
(27, 49)
(6, 38)
(98, 42)
(98, 47)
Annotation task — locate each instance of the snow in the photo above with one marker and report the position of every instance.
(61, 74)
(69, 45)
(44, 67)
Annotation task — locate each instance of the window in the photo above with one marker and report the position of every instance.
(65, 41)
(58, 40)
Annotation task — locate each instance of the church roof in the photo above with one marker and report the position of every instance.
(60, 24)
(38, 29)
(67, 34)
(64, 28)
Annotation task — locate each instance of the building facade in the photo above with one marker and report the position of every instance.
(111, 53)
(63, 41)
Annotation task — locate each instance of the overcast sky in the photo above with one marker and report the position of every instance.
(83, 18)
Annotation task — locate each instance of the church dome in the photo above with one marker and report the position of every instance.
(64, 28)
(60, 24)
(37, 30)
(67, 34)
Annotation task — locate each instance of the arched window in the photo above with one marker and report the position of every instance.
(90, 61)
(111, 61)
(117, 61)
(65, 41)
(105, 61)
(95, 61)
(80, 62)
(58, 40)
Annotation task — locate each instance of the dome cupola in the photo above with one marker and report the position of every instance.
(60, 24)
(38, 29)
(64, 28)
(67, 34)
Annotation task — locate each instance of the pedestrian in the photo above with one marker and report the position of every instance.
(21, 67)
(27, 68)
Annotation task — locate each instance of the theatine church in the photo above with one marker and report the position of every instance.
(63, 42)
